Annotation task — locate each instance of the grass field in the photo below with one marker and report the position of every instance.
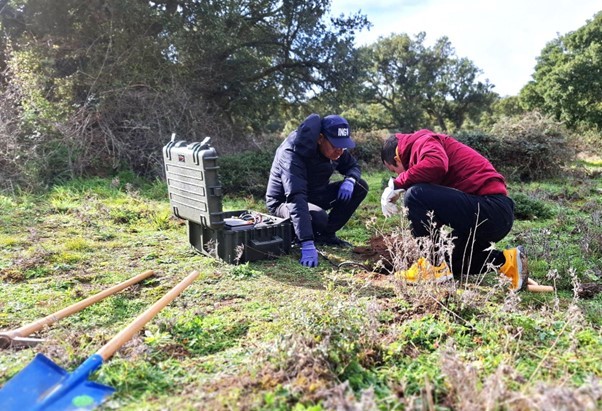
(272, 335)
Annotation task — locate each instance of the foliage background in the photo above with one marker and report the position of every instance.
(88, 90)
(91, 91)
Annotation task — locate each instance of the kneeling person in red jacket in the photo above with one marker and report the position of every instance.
(437, 174)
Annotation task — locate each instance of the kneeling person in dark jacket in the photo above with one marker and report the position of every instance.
(299, 187)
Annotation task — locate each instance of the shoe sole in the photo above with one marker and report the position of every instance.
(444, 278)
(436, 280)
(523, 268)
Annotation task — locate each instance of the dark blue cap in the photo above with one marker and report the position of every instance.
(337, 131)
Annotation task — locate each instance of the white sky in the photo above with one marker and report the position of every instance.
(503, 38)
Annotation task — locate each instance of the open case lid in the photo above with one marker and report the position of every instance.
(195, 192)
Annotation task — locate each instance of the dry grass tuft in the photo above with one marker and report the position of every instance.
(469, 391)
(342, 398)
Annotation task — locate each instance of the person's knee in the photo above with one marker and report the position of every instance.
(412, 195)
(319, 220)
(361, 188)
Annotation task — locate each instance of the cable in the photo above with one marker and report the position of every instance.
(344, 263)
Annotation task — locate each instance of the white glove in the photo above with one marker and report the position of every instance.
(389, 198)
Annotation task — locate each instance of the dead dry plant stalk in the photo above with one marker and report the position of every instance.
(573, 319)
(468, 393)
(239, 252)
(549, 397)
(342, 398)
(462, 380)
(553, 276)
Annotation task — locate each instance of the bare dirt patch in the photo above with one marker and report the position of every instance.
(376, 254)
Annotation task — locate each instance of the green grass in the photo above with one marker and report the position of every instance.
(273, 335)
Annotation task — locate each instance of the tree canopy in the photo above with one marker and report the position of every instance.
(105, 82)
(567, 82)
(88, 87)
(423, 86)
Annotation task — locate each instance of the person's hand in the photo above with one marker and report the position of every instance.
(389, 198)
(346, 189)
(309, 254)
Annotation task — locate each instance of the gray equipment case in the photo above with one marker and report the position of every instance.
(195, 194)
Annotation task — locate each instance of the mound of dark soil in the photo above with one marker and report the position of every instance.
(376, 251)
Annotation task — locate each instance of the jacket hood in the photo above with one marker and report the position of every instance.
(405, 142)
(304, 140)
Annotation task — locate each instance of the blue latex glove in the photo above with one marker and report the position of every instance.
(346, 189)
(309, 254)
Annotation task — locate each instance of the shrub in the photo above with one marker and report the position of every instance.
(367, 149)
(246, 173)
(484, 143)
(526, 208)
(527, 147)
(15, 151)
(589, 142)
(531, 147)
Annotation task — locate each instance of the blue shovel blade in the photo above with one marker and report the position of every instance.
(28, 390)
(87, 395)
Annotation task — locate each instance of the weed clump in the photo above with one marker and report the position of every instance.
(527, 208)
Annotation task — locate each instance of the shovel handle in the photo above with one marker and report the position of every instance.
(537, 288)
(127, 333)
(30, 328)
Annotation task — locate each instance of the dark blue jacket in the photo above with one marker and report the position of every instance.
(300, 172)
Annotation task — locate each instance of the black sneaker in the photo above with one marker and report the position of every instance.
(332, 240)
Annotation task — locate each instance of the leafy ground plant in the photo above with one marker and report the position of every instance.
(273, 335)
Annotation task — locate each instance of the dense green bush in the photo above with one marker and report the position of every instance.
(484, 143)
(532, 147)
(527, 147)
(367, 149)
(246, 173)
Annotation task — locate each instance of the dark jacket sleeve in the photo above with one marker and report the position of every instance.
(347, 165)
(294, 182)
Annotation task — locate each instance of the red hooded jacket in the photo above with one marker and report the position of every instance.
(434, 158)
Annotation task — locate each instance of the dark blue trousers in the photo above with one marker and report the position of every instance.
(476, 222)
(329, 215)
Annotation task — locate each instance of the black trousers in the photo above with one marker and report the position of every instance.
(324, 222)
(476, 222)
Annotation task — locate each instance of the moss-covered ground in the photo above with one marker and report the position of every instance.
(273, 335)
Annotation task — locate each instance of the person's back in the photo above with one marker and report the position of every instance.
(296, 153)
(440, 159)
(444, 182)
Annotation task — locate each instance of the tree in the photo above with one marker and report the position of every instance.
(248, 57)
(83, 71)
(567, 82)
(102, 84)
(425, 86)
